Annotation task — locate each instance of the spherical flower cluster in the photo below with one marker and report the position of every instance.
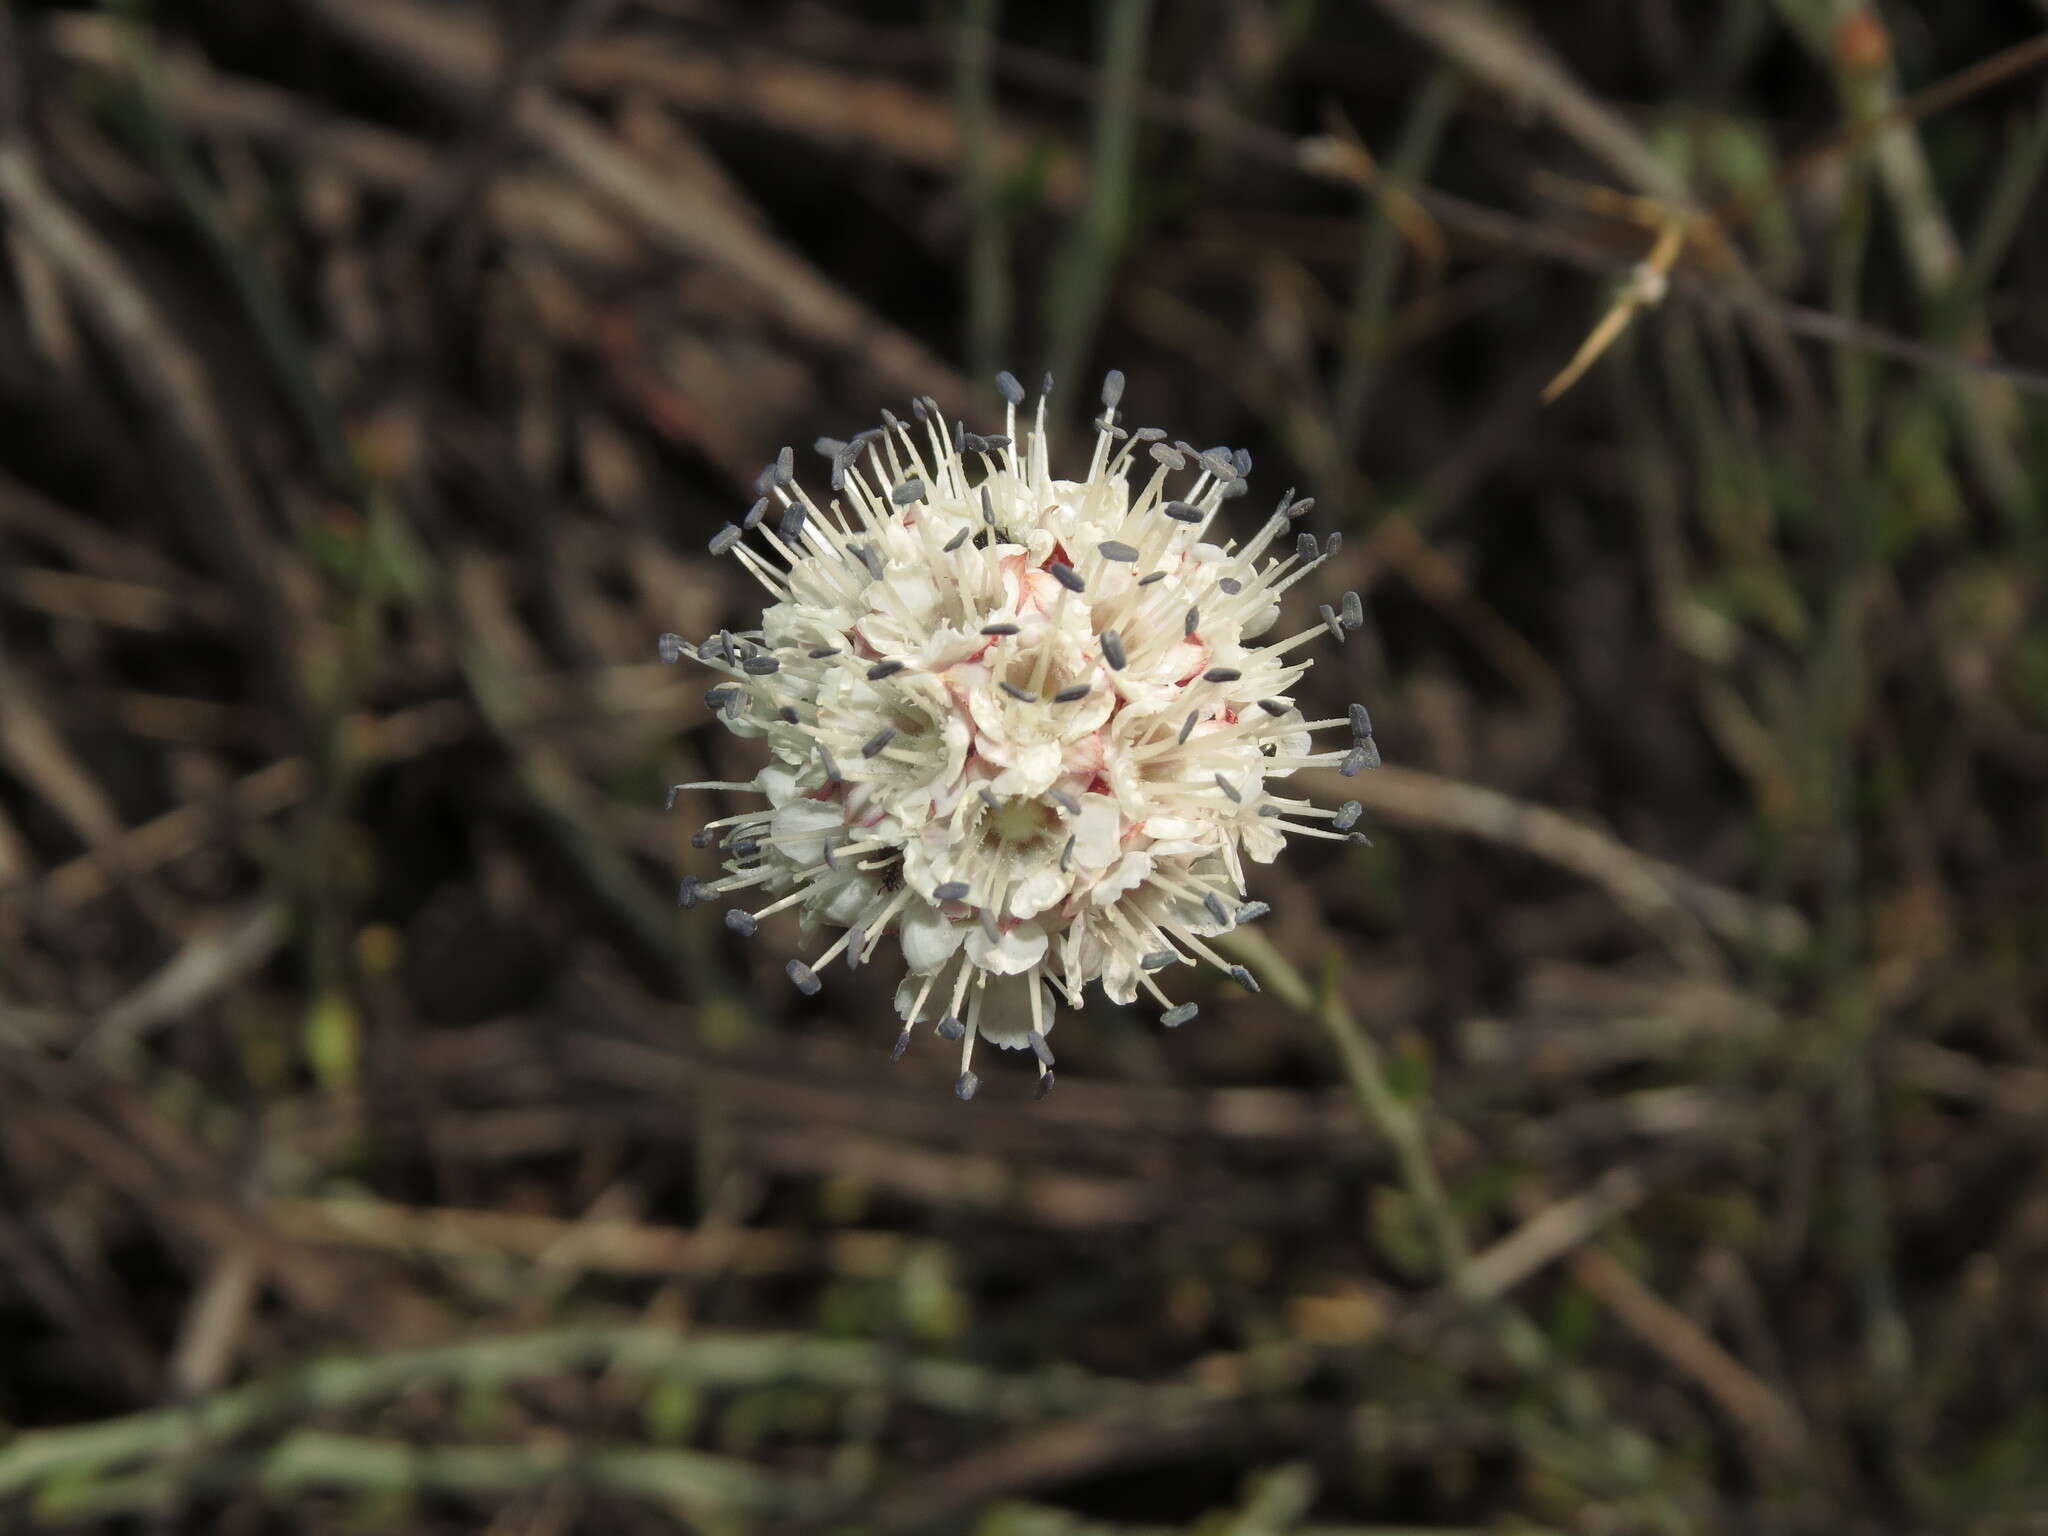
(1026, 725)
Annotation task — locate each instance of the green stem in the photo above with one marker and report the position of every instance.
(1081, 284)
(988, 278)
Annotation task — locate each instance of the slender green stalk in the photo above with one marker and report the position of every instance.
(1841, 685)
(1379, 261)
(1081, 281)
(988, 274)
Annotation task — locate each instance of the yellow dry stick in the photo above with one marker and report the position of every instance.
(1644, 290)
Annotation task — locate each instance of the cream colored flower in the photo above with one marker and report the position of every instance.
(1028, 726)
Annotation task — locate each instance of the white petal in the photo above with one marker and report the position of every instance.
(1132, 870)
(1097, 832)
(1017, 949)
(929, 940)
(799, 828)
(1039, 890)
(1006, 1012)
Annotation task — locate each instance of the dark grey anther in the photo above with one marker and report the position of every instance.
(958, 539)
(788, 715)
(1187, 727)
(754, 515)
(1331, 622)
(1173, 1018)
(1158, 959)
(902, 1044)
(1347, 815)
(1045, 385)
(703, 837)
(1272, 812)
(1112, 388)
(1045, 1081)
(882, 669)
(764, 482)
(742, 922)
(995, 441)
(1244, 978)
(1041, 1047)
(823, 652)
(829, 447)
(793, 523)
(1361, 757)
(745, 847)
(988, 508)
(964, 1088)
(1150, 434)
(873, 746)
(723, 540)
(716, 699)
(999, 630)
(1067, 576)
(1111, 549)
(1361, 722)
(760, 666)
(670, 648)
(1113, 650)
(1191, 623)
(1067, 853)
(1275, 707)
(1221, 675)
(1021, 695)
(785, 465)
(1229, 791)
(952, 890)
(1229, 586)
(1217, 461)
(1181, 512)
(1302, 507)
(856, 941)
(690, 892)
(1252, 911)
(1305, 547)
(1169, 458)
(1146, 581)
(1064, 801)
(805, 979)
(1353, 611)
(1072, 695)
(1359, 838)
(1008, 387)
(1213, 905)
(825, 761)
(965, 442)
(950, 1028)
(870, 559)
(669, 801)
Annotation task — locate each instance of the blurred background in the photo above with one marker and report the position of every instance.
(1646, 1134)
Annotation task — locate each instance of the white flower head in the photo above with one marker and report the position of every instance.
(1029, 726)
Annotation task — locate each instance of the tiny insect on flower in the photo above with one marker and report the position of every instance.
(1029, 728)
